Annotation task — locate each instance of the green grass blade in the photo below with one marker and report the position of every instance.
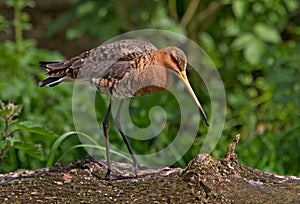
(102, 149)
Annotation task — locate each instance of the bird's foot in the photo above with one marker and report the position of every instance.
(111, 177)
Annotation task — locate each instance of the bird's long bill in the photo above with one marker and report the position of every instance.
(184, 79)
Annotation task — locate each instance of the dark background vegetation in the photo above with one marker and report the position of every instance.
(254, 44)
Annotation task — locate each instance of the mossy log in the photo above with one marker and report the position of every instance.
(205, 180)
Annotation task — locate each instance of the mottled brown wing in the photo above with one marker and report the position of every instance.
(116, 50)
(95, 63)
(111, 77)
(101, 59)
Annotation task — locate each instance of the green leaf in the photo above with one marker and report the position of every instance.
(239, 8)
(254, 51)
(242, 41)
(36, 128)
(12, 140)
(292, 5)
(59, 141)
(4, 24)
(4, 144)
(207, 41)
(267, 33)
(30, 149)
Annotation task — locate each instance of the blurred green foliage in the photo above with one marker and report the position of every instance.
(8, 114)
(18, 84)
(254, 44)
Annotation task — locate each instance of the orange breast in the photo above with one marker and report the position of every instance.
(148, 90)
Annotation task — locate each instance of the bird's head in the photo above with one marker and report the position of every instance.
(175, 59)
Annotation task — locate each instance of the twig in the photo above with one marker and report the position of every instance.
(13, 132)
(230, 154)
(173, 9)
(189, 13)
(202, 16)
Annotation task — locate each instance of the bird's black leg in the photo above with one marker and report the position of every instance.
(117, 121)
(105, 132)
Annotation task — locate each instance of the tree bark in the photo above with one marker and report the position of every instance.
(205, 180)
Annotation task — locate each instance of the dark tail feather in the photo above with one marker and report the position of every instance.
(45, 64)
(55, 69)
(52, 81)
(56, 72)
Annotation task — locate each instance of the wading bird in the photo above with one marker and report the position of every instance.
(122, 69)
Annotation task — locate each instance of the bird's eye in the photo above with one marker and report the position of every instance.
(174, 59)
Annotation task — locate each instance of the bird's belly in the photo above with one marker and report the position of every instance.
(124, 92)
(145, 82)
(135, 83)
(117, 90)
